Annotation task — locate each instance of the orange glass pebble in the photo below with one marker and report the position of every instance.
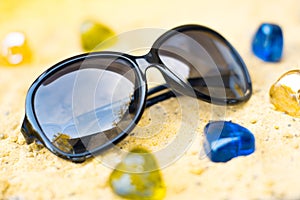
(285, 93)
(14, 49)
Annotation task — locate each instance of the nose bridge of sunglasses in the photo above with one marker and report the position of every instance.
(175, 83)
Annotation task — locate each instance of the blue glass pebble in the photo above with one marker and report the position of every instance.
(225, 140)
(267, 43)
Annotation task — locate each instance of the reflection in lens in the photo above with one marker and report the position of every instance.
(212, 63)
(87, 105)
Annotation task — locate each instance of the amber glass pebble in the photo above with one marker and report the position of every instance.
(14, 49)
(61, 141)
(93, 34)
(285, 93)
(133, 178)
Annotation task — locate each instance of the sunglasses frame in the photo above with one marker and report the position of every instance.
(32, 131)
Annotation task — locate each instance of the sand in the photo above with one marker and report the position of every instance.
(52, 28)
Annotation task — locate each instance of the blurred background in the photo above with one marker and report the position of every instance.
(52, 26)
(52, 29)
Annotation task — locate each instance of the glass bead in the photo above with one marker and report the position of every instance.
(132, 178)
(285, 93)
(93, 34)
(267, 43)
(225, 140)
(14, 49)
(61, 141)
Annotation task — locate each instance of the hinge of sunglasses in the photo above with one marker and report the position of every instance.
(27, 131)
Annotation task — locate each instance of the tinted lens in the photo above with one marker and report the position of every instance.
(208, 62)
(86, 105)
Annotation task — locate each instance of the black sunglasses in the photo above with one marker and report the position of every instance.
(87, 103)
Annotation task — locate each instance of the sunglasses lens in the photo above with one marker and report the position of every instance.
(207, 62)
(86, 105)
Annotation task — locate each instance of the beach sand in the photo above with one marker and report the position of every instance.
(52, 29)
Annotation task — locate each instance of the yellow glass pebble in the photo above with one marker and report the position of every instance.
(14, 49)
(93, 34)
(133, 178)
(285, 93)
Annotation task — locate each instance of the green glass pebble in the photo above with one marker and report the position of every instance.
(133, 178)
(93, 34)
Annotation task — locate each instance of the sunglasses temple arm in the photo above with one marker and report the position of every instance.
(156, 89)
(170, 93)
(159, 98)
(167, 95)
